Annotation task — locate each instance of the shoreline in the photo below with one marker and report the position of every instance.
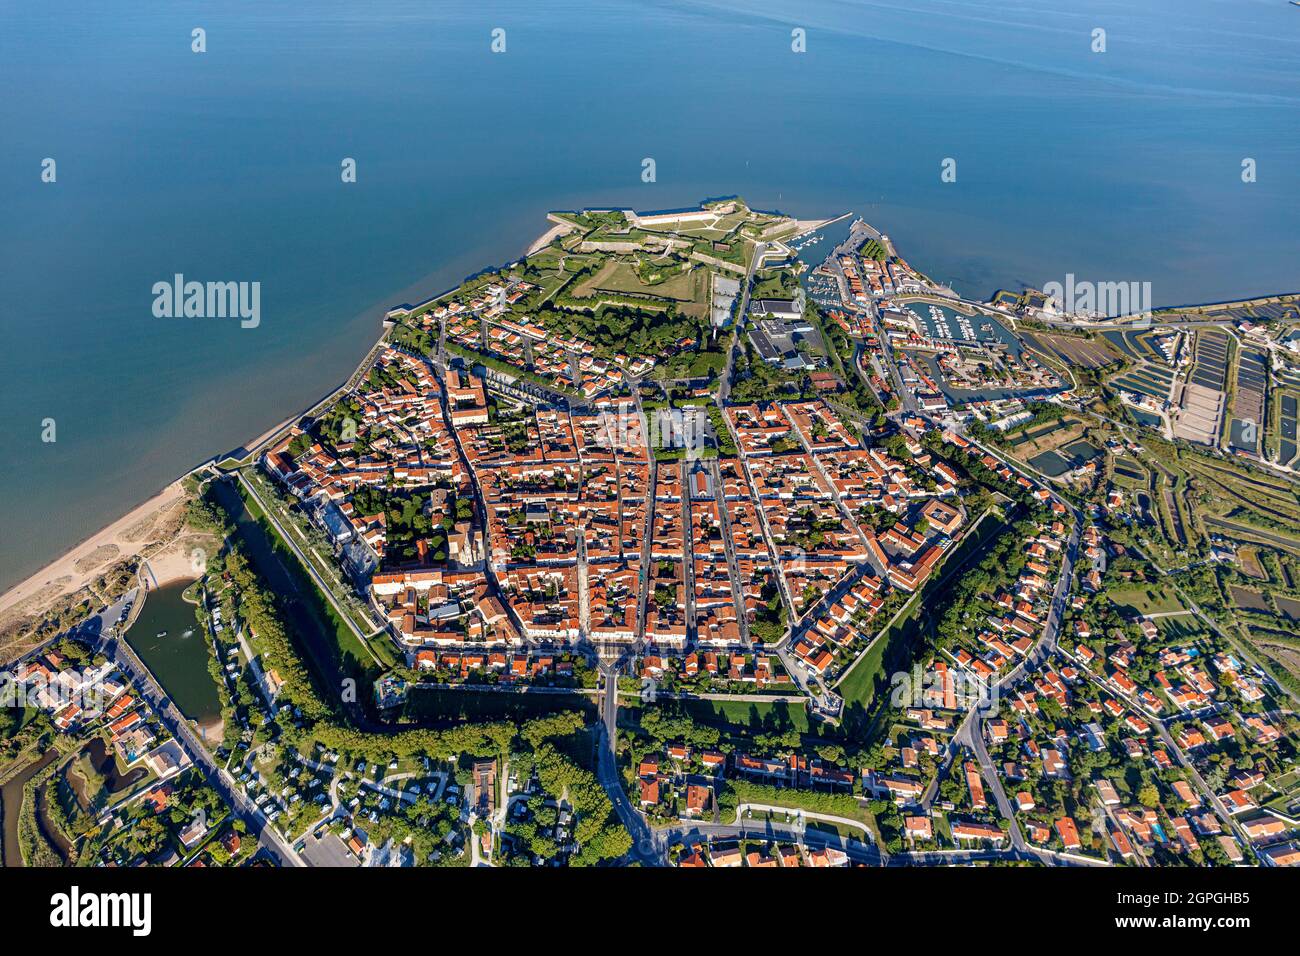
(61, 573)
(560, 228)
(173, 573)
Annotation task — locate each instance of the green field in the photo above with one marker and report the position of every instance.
(891, 649)
(742, 715)
(1146, 599)
(750, 713)
(1181, 627)
(620, 276)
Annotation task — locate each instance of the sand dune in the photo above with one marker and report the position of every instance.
(124, 538)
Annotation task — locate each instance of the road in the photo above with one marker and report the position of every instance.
(724, 389)
(647, 846)
(307, 565)
(1224, 815)
(975, 739)
(729, 551)
(647, 536)
(688, 553)
(258, 825)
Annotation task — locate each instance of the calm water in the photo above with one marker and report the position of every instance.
(103, 760)
(11, 803)
(172, 644)
(225, 166)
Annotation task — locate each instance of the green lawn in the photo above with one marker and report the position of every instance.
(751, 713)
(1146, 599)
(730, 716)
(869, 673)
(678, 286)
(1183, 627)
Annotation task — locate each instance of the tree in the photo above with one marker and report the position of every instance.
(146, 837)
(831, 753)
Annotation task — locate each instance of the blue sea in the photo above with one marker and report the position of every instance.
(225, 166)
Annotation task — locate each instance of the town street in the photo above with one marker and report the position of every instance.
(131, 665)
(647, 847)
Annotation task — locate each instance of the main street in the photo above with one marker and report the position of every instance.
(824, 701)
(729, 548)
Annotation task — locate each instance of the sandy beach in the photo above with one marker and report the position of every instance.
(182, 560)
(124, 538)
(545, 239)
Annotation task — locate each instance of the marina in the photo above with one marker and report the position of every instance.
(946, 326)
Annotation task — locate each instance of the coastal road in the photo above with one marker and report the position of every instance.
(258, 825)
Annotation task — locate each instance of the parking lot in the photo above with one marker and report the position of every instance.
(325, 849)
